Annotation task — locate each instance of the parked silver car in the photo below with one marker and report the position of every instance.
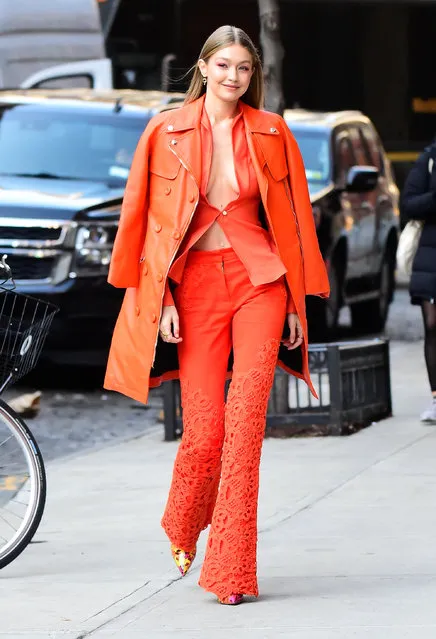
(356, 208)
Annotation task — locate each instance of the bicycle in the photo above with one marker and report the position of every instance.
(24, 324)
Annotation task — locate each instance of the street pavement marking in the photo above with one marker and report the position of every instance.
(12, 482)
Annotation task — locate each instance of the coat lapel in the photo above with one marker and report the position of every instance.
(184, 137)
(269, 145)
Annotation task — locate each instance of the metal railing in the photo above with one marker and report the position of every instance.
(352, 380)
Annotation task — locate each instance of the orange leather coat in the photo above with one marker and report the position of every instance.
(160, 199)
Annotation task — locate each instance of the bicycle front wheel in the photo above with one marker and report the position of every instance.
(23, 485)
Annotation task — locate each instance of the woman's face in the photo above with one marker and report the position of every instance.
(228, 72)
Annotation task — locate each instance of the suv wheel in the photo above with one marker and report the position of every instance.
(371, 316)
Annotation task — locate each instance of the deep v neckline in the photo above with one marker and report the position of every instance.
(205, 194)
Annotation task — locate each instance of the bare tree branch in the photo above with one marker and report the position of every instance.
(273, 54)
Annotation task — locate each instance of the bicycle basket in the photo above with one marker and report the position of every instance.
(24, 324)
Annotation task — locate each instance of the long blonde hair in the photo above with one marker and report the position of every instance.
(224, 37)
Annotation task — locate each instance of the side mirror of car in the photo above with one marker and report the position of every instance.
(361, 179)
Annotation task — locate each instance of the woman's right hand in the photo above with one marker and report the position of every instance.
(169, 325)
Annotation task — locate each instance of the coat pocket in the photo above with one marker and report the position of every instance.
(165, 165)
(273, 149)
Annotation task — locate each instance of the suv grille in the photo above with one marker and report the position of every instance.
(37, 233)
(25, 267)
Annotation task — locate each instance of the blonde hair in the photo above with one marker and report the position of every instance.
(224, 37)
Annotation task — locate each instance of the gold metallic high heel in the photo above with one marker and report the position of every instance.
(232, 600)
(183, 558)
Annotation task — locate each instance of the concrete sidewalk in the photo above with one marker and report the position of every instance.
(346, 540)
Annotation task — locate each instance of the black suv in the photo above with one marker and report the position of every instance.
(64, 160)
(355, 205)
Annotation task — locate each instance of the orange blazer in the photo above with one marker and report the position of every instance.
(161, 196)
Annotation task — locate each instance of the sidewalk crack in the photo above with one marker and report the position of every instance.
(89, 633)
(330, 492)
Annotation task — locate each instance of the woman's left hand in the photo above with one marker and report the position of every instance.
(295, 338)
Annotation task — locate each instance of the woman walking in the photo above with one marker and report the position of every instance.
(419, 203)
(217, 249)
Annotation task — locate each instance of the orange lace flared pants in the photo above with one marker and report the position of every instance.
(216, 471)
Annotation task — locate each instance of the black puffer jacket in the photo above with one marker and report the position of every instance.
(419, 203)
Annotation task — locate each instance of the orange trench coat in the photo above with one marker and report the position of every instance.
(161, 196)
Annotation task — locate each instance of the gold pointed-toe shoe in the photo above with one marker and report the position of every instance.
(183, 558)
(232, 600)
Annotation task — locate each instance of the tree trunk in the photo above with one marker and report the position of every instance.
(273, 53)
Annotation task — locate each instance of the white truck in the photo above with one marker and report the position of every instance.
(67, 44)
(35, 37)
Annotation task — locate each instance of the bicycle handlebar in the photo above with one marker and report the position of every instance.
(5, 271)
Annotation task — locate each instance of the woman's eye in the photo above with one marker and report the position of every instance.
(221, 64)
(245, 69)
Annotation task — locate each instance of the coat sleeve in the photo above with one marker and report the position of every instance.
(290, 307)
(129, 241)
(315, 272)
(419, 198)
(168, 299)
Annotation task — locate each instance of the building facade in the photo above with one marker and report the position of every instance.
(375, 56)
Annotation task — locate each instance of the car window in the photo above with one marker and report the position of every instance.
(79, 145)
(344, 156)
(371, 142)
(66, 82)
(315, 149)
(361, 158)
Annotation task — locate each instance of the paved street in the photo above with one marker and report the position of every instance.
(404, 320)
(71, 421)
(345, 540)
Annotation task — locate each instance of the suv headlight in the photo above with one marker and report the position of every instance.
(93, 248)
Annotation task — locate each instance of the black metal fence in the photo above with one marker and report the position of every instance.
(352, 380)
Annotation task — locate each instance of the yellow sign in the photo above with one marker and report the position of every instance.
(402, 156)
(424, 106)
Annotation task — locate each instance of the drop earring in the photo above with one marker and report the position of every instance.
(204, 80)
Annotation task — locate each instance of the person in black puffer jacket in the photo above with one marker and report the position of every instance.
(419, 203)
